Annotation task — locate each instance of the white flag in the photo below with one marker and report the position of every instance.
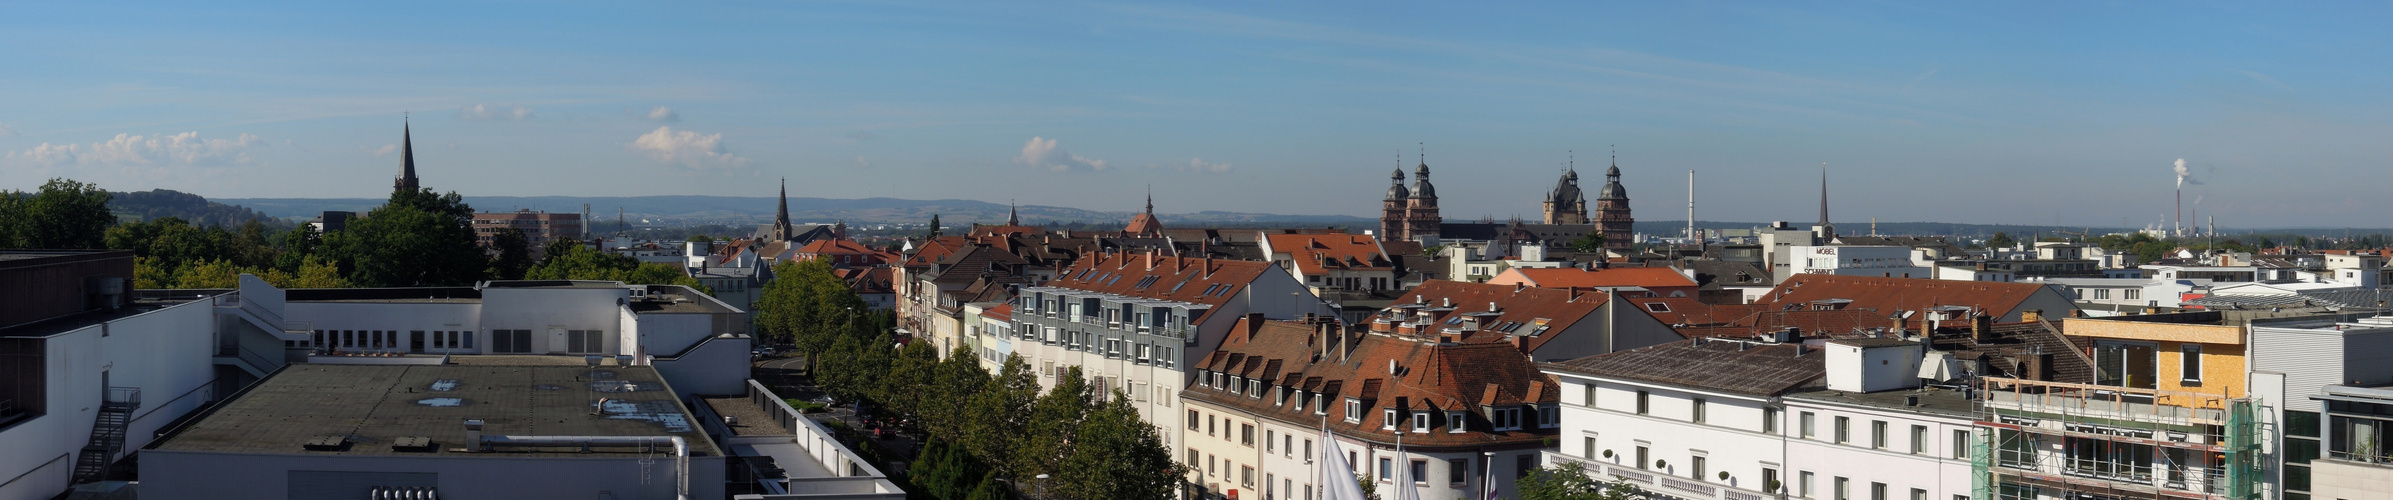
(1337, 478)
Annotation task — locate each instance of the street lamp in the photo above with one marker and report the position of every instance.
(1042, 485)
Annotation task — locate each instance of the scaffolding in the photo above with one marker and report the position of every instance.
(2057, 440)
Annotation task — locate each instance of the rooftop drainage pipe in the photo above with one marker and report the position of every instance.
(681, 450)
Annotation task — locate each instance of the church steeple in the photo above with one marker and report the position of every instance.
(1013, 217)
(406, 180)
(781, 228)
(1824, 231)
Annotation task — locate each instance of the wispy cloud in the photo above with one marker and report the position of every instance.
(385, 150)
(2262, 78)
(126, 149)
(7, 132)
(492, 112)
(687, 149)
(1044, 153)
(663, 114)
(1200, 166)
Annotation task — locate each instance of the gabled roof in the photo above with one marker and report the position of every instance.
(1751, 369)
(1144, 224)
(1571, 277)
(1886, 295)
(1201, 281)
(1316, 254)
(1428, 377)
(1533, 315)
(837, 247)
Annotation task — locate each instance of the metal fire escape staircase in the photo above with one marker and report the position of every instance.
(107, 434)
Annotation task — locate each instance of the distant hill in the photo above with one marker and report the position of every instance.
(160, 203)
(739, 210)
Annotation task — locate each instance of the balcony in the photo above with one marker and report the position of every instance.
(2078, 401)
(1665, 485)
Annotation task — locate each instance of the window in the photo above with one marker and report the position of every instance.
(1642, 398)
(1919, 494)
(1420, 471)
(1843, 434)
(1769, 480)
(1287, 444)
(1387, 418)
(1192, 457)
(1769, 420)
(1420, 421)
(511, 341)
(1697, 410)
(584, 341)
(1587, 447)
(1878, 434)
(1210, 468)
(2191, 363)
(1919, 439)
(2133, 294)
(1803, 484)
(1695, 467)
(1877, 491)
(1246, 435)
(1308, 451)
(1268, 479)
(1587, 396)
(1354, 410)
(1960, 444)
(1642, 454)
(1505, 419)
(1387, 469)
(1270, 438)
(1246, 476)
(1549, 416)
(1842, 489)
(1209, 423)
(1803, 425)
(1192, 420)
(1455, 469)
(1457, 422)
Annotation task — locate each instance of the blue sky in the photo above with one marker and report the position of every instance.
(2033, 113)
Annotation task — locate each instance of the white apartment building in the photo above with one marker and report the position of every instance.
(1700, 419)
(1137, 322)
(1855, 260)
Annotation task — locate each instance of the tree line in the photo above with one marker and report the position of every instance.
(417, 238)
(983, 430)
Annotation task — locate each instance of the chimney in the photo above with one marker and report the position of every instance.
(1321, 342)
(1517, 287)
(1254, 323)
(1981, 327)
(2031, 315)
(1899, 323)
(1150, 259)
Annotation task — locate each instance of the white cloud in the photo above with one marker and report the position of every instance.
(495, 112)
(1043, 153)
(126, 149)
(688, 149)
(663, 114)
(385, 150)
(862, 163)
(7, 132)
(1199, 165)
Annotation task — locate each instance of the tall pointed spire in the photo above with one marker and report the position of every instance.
(781, 228)
(1823, 193)
(406, 180)
(1013, 217)
(1150, 199)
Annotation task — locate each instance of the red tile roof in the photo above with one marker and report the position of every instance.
(1887, 295)
(1571, 277)
(1193, 280)
(1427, 376)
(1315, 254)
(1002, 313)
(1520, 310)
(1144, 223)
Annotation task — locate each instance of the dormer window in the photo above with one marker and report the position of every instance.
(1420, 422)
(1387, 418)
(1457, 422)
(1354, 411)
(1507, 418)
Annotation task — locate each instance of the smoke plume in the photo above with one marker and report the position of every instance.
(2185, 176)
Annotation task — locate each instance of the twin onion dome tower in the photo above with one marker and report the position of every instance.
(1411, 214)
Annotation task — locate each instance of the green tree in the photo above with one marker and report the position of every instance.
(700, 238)
(1568, 481)
(1054, 423)
(514, 255)
(416, 239)
(64, 214)
(934, 232)
(808, 304)
(1592, 242)
(299, 245)
(906, 387)
(577, 262)
(2001, 240)
(996, 414)
(990, 489)
(1116, 454)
